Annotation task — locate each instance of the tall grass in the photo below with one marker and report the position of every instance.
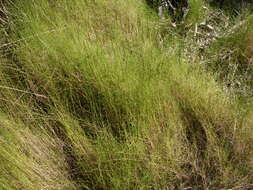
(94, 97)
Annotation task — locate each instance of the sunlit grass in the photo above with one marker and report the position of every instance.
(95, 95)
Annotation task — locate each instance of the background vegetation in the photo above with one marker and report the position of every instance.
(98, 94)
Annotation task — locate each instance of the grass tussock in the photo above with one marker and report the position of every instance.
(104, 95)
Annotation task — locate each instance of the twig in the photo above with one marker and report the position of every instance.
(31, 37)
(169, 3)
(196, 30)
(23, 91)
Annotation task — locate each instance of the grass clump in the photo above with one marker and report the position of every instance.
(31, 160)
(97, 95)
